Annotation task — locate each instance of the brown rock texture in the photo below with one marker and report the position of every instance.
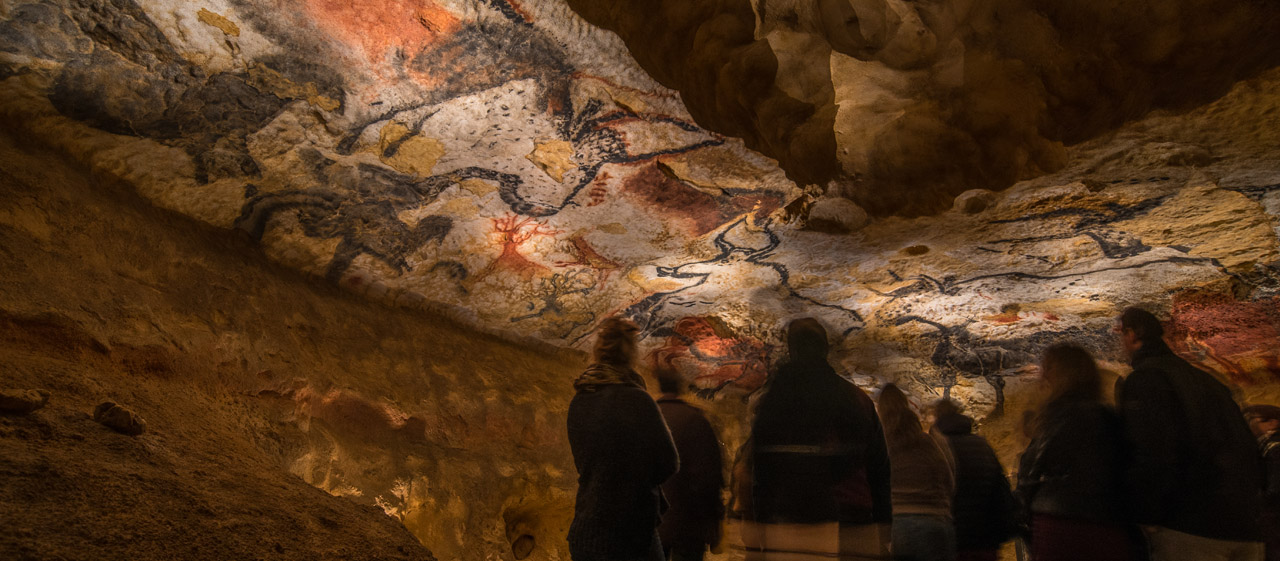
(119, 419)
(75, 490)
(933, 98)
(287, 419)
(363, 246)
(21, 402)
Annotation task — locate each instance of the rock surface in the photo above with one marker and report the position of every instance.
(287, 419)
(69, 495)
(119, 419)
(553, 183)
(21, 402)
(836, 215)
(918, 101)
(487, 180)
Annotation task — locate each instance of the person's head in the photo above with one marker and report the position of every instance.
(806, 340)
(1263, 419)
(900, 423)
(1138, 328)
(669, 381)
(616, 342)
(944, 407)
(1071, 373)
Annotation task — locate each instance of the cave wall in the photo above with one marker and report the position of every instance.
(257, 385)
(903, 105)
(512, 167)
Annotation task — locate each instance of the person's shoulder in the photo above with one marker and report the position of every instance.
(1145, 378)
(1096, 415)
(629, 391)
(618, 393)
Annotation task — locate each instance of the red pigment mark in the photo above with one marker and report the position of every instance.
(1004, 318)
(717, 357)
(381, 27)
(698, 212)
(513, 231)
(524, 14)
(359, 418)
(599, 189)
(1238, 338)
(584, 254)
(1014, 316)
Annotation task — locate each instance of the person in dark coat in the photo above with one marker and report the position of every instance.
(693, 520)
(983, 506)
(1195, 479)
(1071, 476)
(816, 481)
(1264, 421)
(623, 452)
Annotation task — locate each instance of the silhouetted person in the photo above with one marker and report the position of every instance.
(817, 472)
(1195, 478)
(983, 506)
(1264, 421)
(623, 452)
(693, 519)
(923, 483)
(1071, 477)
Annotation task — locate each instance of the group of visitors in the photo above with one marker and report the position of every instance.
(1175, 470)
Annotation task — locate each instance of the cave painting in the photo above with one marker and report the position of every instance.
(705, 352)
(483, 157)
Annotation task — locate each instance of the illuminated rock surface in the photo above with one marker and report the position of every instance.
(330, 181)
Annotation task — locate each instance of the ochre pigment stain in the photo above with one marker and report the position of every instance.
(694, 210)
(1234, 337)
(383, 28)
(718, 357)
(511, 232)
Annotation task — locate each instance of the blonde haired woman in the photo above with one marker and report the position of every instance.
(623, 452)
(923, 483)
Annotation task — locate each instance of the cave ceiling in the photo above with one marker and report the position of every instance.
(947, 186)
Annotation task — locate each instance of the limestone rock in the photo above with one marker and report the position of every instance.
(836, 215)
(974, 201)
(925, 100)
(554, 157)
(1199, 219)
(22, 402)
(119, 419)
(1176, 154)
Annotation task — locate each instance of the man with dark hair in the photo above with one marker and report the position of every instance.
(1264, 420)
(1194, 478)
(693, 519)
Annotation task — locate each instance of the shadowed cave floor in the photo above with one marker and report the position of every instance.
(190, 488)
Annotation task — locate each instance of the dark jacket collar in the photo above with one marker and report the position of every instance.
(1150, 351)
